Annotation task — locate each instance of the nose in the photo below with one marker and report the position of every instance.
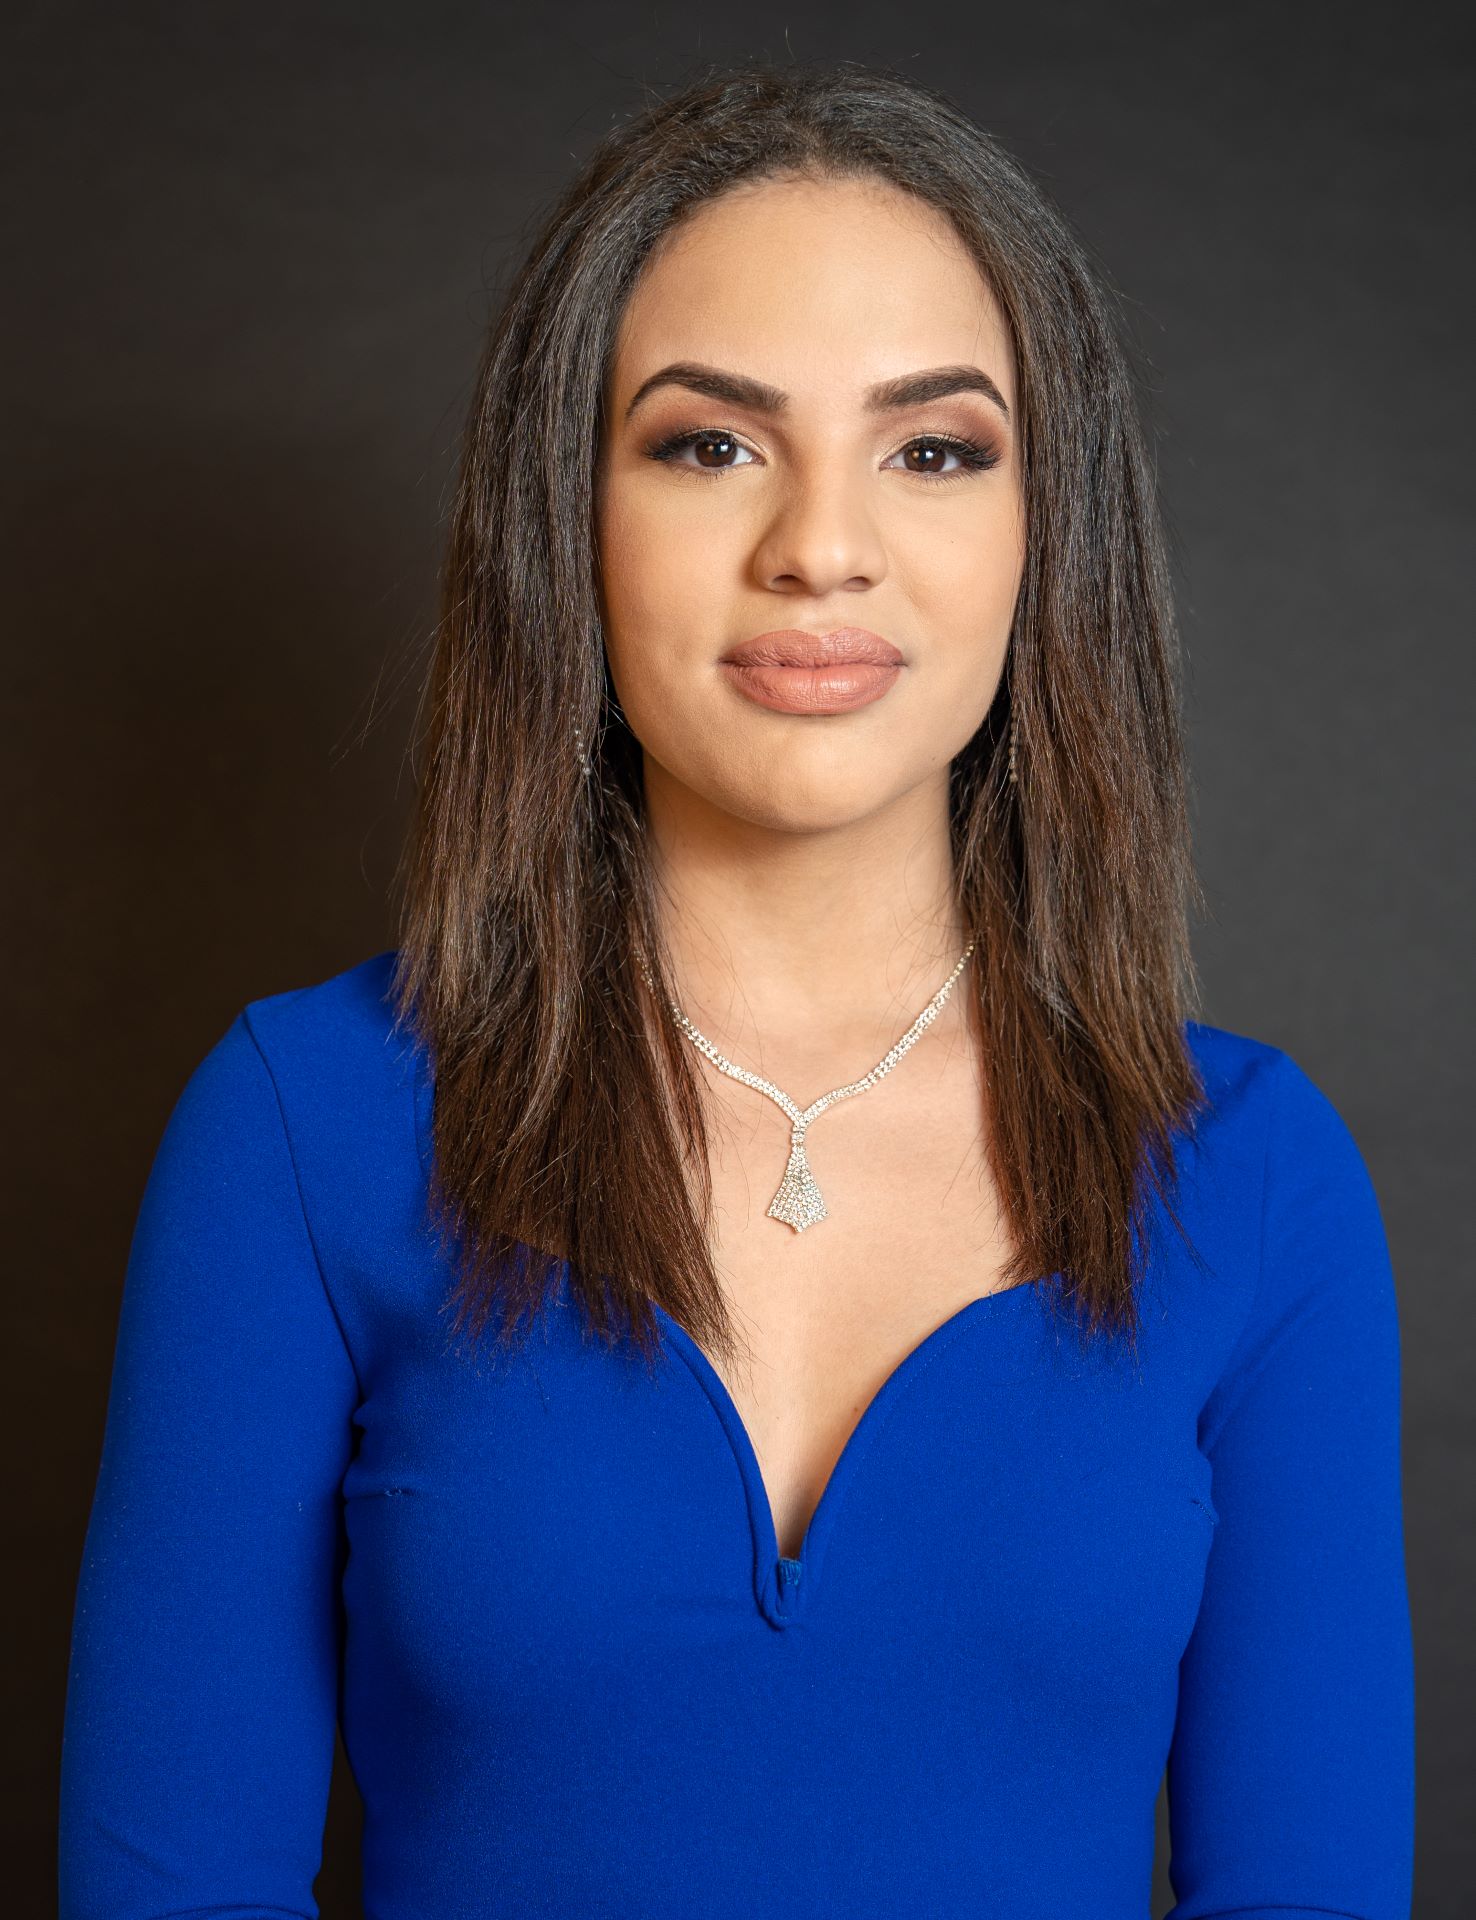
(821, 538)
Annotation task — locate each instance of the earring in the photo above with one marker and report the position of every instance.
(586, 766)
(1014, 781)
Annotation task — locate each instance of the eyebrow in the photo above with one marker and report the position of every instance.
(739, 390)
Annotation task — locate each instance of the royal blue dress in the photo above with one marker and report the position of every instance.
(543, 1598)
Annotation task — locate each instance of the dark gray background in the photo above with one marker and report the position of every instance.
(248, 253)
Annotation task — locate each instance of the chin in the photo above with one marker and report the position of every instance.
(792, 801)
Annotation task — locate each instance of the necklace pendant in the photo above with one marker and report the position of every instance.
(799, 1203)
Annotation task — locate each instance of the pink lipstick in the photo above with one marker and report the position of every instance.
(792, 671)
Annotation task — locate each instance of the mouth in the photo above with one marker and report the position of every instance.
(846, 646)
(813, 673)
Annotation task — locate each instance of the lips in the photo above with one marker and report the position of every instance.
(792, 648)
(791, 671)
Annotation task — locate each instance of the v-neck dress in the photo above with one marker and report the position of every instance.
(541, 1596)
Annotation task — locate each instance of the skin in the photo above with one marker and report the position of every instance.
(805, 858)
(804, 863)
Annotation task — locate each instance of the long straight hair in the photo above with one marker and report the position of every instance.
(568, 1134)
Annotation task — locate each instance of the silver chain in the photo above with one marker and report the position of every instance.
(799, 1202)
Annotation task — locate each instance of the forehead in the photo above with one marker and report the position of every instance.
(822, 288)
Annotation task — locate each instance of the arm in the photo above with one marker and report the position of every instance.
(201, 1701)
(1291, 1774)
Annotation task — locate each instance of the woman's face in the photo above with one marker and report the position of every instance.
(765, 470)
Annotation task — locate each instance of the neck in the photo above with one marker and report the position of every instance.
(842, 932)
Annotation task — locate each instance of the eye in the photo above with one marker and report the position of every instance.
(935, 448)
(714, 446)
(717, 451)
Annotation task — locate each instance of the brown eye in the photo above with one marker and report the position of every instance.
(928, 456)
(715, 450)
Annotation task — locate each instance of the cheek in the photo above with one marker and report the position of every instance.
(966, 566)
(661, 622)
(655, 586)
(962, 581)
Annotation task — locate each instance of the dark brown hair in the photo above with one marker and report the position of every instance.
(568, 1129)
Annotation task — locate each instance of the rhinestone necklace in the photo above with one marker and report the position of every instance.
(799, 1202)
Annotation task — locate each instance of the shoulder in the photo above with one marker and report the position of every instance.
(333, 1019)
(325, 1063)
(1281, 1190)
(346, 1073)
(1278, 1106)
(316, 1094)
(1273, 1106)
(334, 1043)
(1308, 1220)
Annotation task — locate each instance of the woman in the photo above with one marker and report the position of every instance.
(909, 1383)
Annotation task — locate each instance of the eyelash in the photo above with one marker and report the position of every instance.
(976, 459)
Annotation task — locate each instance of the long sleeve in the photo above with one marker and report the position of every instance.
(203, 1684)
(1291, 1774)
